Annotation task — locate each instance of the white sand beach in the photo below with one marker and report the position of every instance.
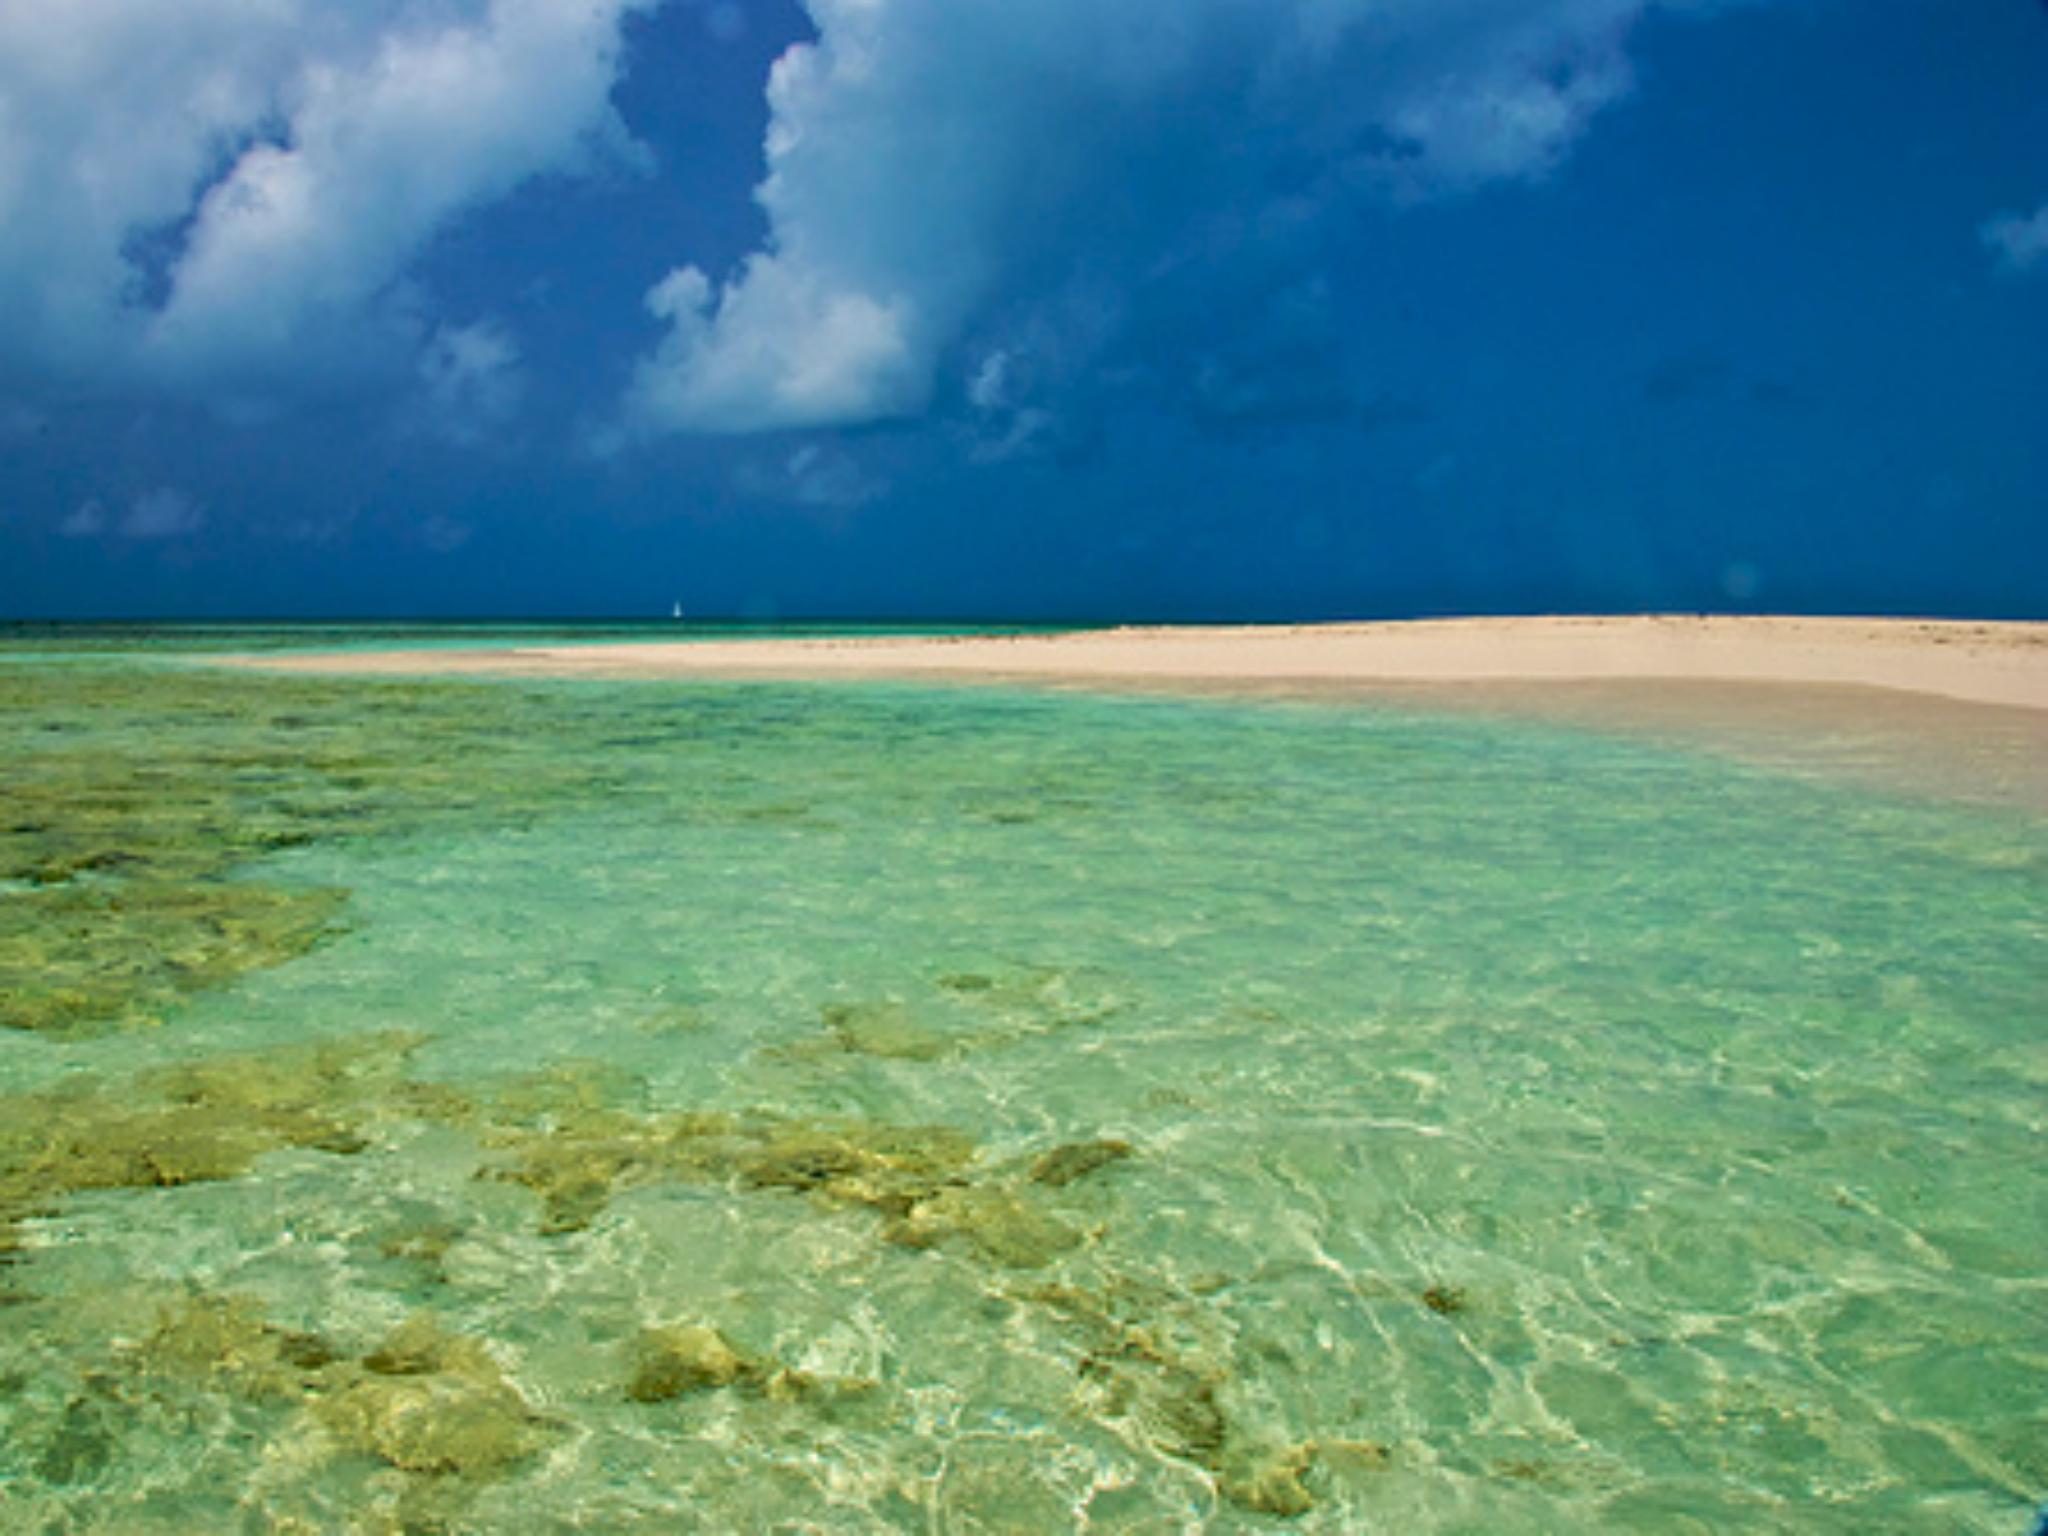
(2000, 663)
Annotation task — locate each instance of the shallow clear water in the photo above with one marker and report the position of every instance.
(1483, 1127)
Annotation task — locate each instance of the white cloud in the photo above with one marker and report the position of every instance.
(88, 521)
(160, 514)
(922, 154)
(814, 475)
(215, 193)
(155, 516)
(470, 381)
(2021, 240)
(1005, 426)
(443, 534)
(779, 348)
(19, 421)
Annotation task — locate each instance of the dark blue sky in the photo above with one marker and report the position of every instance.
(1050, 309)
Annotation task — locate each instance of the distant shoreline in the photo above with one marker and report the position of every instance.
(1979, 662)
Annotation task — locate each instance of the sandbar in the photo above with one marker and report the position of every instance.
(1983, 662)
(1960, 706)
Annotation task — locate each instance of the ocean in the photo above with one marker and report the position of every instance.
(499, 1106)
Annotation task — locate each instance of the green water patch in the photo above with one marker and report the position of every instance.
(133, 802)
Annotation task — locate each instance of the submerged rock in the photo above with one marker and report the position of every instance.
(576, 1162)
(225, 1342)
(434, 1424)
(419, 1347)
(75, 958)
(1076, 1160)
(83, 1444)
(1001, 1225)
(424, 1400)
(434, 1403)
(1444, 1300)
(200, 1122)
(1268, 1481)
(887, 1030)
(1034, 1000)
(424, 1242)
(669, 1362)
(1183, 1418)
(886, 1168)
(1355, 1458)
(1133, 1372)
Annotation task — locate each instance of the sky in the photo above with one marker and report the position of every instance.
(1022, 309)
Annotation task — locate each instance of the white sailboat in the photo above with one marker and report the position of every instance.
(677, 611)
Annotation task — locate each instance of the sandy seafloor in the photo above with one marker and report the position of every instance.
(1602, 1093)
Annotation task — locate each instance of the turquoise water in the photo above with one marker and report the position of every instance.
(1473, 1126)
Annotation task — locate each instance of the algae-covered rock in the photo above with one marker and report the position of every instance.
(1181, 1411)
(888, 1168)
(885, 1029)
(1001, 1225)
(1035, 999)
(74, 957)
(321, 1077)
(199, 1122)
(1353, 1458)
(573, 1179)
(225, 1342)
(824, 1394)
(434, 1424)
(1444, 1300)
(575, 1158)
(82, 1445)
(579, 1091)
(576, 1161)
(419, 1346)
(1181, 1414)
(669, 1362)
(1076, 1160)
(424, 1241)
(1268, 1481)
(1137, 1369)
(431, 1402)
(424, 1400)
